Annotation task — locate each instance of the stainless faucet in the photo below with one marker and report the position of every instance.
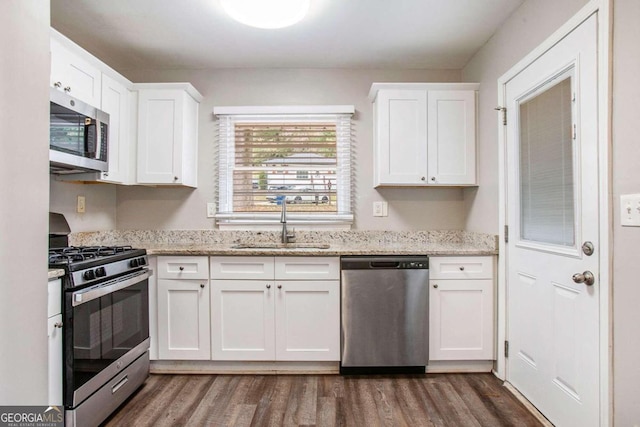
(286, 236)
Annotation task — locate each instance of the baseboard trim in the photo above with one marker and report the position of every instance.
(459, 366)
(534, 411)
(244, 367)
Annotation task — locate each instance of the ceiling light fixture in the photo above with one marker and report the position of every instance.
(266, 13)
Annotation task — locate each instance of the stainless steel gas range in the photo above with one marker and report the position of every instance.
(105, 328)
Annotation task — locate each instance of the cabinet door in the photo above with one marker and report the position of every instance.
(115, 102)
(75, 75)
(461, 320)
(242, 318)
(183, 319)
(160, 129)
(308, 320)
(55, 359)
(401, 137)
(452, 137)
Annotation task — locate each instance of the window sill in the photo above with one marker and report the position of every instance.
(272, 222)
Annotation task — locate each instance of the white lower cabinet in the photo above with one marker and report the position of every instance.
(308, 320)
(461, 305)
(54, 334)
(243, 323)
(183, 309)
(284, 320)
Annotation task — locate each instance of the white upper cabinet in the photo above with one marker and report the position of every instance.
(153, 127)
(167, 134)
(424, 134)
(115, 102)
(71, 72)
(401, 135)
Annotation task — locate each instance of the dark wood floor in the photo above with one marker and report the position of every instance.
(323, 400)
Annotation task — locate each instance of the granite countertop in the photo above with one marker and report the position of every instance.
(55, 273)
(327, 243)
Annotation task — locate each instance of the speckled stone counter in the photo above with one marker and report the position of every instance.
(366, 242)
(54, 273)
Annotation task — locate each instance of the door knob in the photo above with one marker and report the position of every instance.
(587, 278)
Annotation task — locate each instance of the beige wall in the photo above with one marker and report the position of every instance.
(525, 29)
(626, 240)
(100, 205)
(24, 191)
(179, 208)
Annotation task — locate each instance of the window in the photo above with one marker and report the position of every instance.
(300, 156)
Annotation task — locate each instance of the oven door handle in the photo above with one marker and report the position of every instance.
(97, 291)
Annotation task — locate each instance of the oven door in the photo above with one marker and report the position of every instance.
(108, 330)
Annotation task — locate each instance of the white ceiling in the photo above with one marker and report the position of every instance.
(399, 34)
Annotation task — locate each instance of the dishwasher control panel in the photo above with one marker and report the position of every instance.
(389, 262)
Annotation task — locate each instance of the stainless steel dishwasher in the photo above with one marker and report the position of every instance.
(384, 314)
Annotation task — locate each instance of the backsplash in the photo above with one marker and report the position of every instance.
(142, 238)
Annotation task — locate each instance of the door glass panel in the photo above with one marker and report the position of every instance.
(546, 167)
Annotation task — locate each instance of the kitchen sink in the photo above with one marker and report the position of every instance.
(281, 246)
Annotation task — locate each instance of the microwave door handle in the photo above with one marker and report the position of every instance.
(90, 147)
(98, 291)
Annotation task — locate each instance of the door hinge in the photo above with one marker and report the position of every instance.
(504, 114)
(575, 131)
(506, 349)
(506, 234)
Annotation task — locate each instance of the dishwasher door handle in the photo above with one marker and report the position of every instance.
(384, 264)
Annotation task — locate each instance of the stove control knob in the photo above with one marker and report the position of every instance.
(142, 261)
(89, 275)
(101, 272)
(134, 263)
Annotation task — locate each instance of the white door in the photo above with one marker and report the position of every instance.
(552, 199)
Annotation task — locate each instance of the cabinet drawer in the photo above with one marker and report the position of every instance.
(54, 292)
(467, 267)
(177, 267)
(241, 267)
(307, 268)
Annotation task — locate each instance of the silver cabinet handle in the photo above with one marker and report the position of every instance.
(202, 285)
(423, 178)
(462, 268)
(435, 286)
(175, 178)
(57, 84)
(57, 325)
(67, 89)
(433, 178)
(279, 286)
(587, 278)
(181, 268)
(268, 286)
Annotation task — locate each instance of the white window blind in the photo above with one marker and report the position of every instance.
(546, 167)
(301, 159)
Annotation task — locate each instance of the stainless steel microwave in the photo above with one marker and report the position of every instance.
(78, 135)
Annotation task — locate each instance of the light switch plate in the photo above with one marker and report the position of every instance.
(630, 210)
(211, 210)
(380, 209)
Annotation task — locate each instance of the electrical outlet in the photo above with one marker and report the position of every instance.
(81, 206)
(211, 210)
(630, 210)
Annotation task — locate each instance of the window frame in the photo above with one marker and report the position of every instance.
(225, 160)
